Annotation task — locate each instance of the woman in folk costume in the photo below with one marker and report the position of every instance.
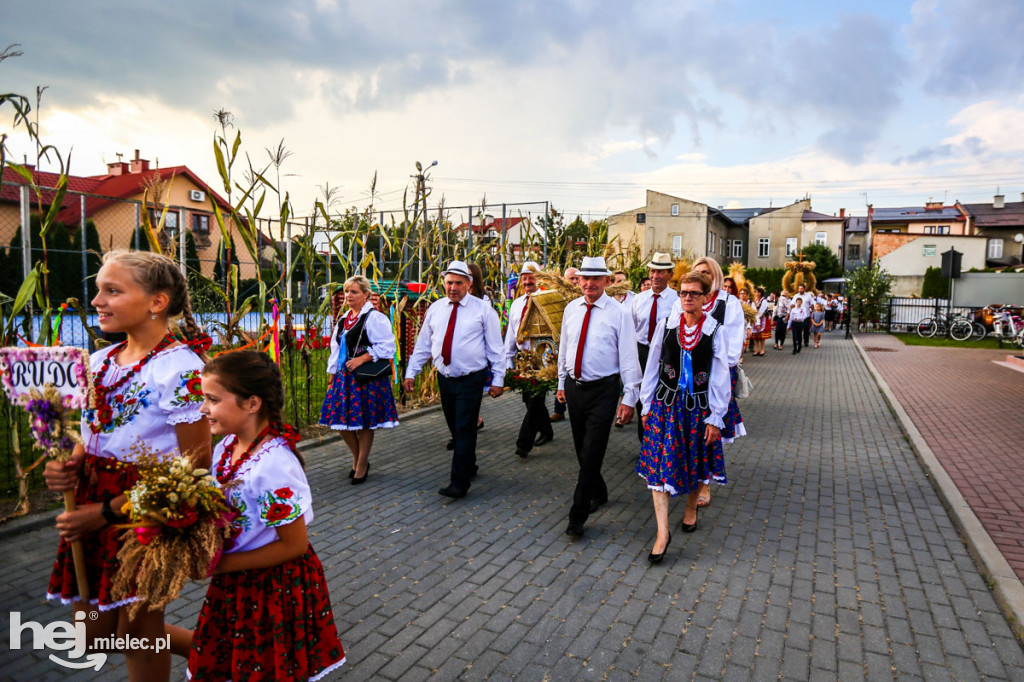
(763, 324)
(727, 311)
(685, 396)
(353, 406)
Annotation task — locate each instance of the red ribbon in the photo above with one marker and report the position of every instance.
(201, 343)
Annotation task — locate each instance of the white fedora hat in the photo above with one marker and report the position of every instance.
(458, 267)
(593, 266)
(661, 261)
(529, 267)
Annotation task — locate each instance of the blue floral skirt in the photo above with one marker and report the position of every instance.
(733, 419)
(352, 406)
(673, 457)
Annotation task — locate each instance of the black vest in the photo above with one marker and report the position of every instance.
(356, 342)
(718, 311)
(670, 371)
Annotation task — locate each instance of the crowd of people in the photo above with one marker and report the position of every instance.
(667, 356)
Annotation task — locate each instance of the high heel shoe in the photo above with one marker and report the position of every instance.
(690, 527)
(357, 481)
(352, 473)
(656, 558)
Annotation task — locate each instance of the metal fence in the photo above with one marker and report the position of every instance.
(903, 314)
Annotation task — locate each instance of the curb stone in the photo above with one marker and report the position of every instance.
(1006, 586)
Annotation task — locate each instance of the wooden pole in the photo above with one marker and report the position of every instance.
(77, 552)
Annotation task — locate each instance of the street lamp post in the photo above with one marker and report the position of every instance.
(421, 191)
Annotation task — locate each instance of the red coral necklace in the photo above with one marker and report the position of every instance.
(351, 319)
(226, 471)
(688, 340)
(104, 413)
(711, 301)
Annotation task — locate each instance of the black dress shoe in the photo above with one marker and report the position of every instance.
(542, 439)
(452, 492)
(522, 453)
(451, 444)
(474, 472)
(596, 504)
(689, 527)
(356, 480)
(656, 558)
(574, 530)
(351, 473)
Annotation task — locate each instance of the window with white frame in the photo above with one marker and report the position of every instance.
(200, 223)
(675, 209)
(737, 248)
(995, 248)
(929, 250)
(936, 229)
(820, 238)
(762, 247)
(170, 219)
(790, 246)
(677, 245)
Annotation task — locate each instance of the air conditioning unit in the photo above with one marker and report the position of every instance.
(197, 195)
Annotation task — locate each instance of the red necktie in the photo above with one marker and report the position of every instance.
(582, 342)
(522, 316)
(446, 347)
(653, 322)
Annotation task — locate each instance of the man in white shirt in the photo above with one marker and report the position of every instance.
(462, 336)
(536, 427)
(596, 360)
(807, 300)
(650, 307)
(782, 305)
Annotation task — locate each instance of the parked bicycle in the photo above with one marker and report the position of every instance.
(957, 326)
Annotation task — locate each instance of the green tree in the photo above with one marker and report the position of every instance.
(826, 265)
(139, 237)
(868, 287)
(769, 278)
(935, 285)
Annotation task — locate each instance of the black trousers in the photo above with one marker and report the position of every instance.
(806, 326)
(798, 336)
(460, 400)
(642, 352)
(536, 421)
(592, 406)
(780, 331)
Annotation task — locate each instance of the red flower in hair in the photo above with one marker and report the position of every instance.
(278, 512)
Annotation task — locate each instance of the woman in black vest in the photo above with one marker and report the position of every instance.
(685, 397)
(360, 400)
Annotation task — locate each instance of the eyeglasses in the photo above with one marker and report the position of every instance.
(690, 294)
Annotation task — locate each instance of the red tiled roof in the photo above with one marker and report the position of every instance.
(498, 224)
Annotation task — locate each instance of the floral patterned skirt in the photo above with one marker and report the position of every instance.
(267, 624)
(733, 419)
(673, 457)
(102, 478)
(352, 406)
(763, 331)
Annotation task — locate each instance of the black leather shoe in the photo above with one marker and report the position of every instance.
(542, 439)
(474, 472)
(452, 492)
(656, 558)
(356, 480)
(574, 530)
(689, 527)
(596, 504)
(451, 444)
(522, 453)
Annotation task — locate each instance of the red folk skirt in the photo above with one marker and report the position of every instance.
(102, 478)
(267, 624)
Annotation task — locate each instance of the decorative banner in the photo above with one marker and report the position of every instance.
(65, 368)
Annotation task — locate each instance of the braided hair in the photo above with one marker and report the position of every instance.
(157, 273)
(247, 373)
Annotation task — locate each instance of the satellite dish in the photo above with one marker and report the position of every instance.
(1019, 237)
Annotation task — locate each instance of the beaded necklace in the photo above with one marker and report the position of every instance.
(104, 413)
(351, 319)
(688, 340)
(226, 470)
(711, 302)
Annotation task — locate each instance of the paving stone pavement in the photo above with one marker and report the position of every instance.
(827, 556)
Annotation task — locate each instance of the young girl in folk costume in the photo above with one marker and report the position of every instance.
(727, 311)
(685, 397)
(146, 389)
(817, 323)
(361, 335)
(267, 613)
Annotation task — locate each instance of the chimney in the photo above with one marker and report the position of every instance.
(117, 168)
(139, 165)
(933, 206)
(999, 201)
(842, 213)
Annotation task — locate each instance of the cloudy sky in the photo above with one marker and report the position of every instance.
(584, 103)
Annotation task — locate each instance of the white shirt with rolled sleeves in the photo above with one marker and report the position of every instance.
(515, 320)
(719, 384)
(379, 335)
(475, 344)
(610, 345)
(641, 310)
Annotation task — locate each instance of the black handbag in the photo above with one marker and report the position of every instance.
(375, 369)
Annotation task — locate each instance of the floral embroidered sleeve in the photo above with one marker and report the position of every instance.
(282, 490)
(280, 507)
(181, 389)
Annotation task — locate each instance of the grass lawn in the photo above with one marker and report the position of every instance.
(937, 340)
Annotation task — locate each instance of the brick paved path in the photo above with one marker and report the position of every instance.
(970, 411)
(828, 556)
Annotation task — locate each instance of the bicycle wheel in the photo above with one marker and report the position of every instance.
(927, 328)
(980, 331)
(960, 330)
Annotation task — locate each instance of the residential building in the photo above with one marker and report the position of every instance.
(519, 234)
(906, 256)
(777, 234)
(999, 222)
(932, 219)
(856, 245)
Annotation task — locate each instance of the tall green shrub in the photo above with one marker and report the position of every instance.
(935, 285)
